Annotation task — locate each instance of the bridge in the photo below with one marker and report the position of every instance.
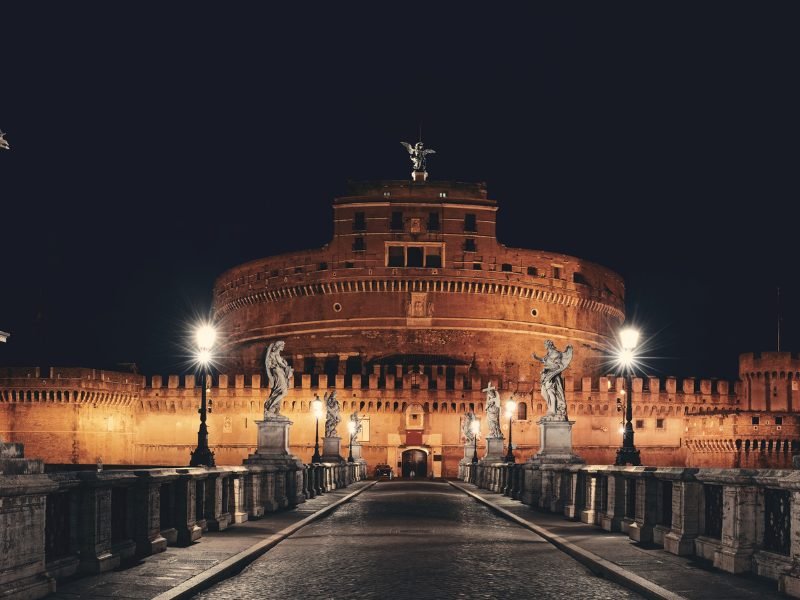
(327, 530)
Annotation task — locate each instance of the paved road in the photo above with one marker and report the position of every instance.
(415, 540)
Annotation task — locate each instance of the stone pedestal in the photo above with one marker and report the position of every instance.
(495, 450)
(555, 443)
(273, 451)
(23, 491)
(331, 450)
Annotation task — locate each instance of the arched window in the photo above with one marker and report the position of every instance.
(522, 411)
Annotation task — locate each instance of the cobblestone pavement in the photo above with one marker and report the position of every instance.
(685, 576)
(158, 573)
(414, 540)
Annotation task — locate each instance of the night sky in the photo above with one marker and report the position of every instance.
(154, 146)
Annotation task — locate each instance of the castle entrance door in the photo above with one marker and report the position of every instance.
(415, 461)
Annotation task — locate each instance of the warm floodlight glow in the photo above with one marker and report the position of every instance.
(626, 358)
(351, 427)
(629, 338)
(316, 406)
(205, 336)
(511, 406)
(475, 426)
(621, 429)
(204, 357)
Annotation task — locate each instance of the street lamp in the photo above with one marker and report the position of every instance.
(351, 427)
(475, 428)
(316, 406)
(205, 336)
(511, 407)
(627, 454)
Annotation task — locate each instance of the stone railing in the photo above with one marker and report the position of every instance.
(741, 520)
(92, 521)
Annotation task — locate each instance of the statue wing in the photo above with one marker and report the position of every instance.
(429, 151)
(268, 366)
(409, 147)
(566, 357)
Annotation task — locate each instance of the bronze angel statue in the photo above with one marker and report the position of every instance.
(279, 374)
(553, 364)
(418, 154)
(4, 142)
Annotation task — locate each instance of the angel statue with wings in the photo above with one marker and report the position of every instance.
(279, 374)
(466, 427)
(493, 410)
(332, 417)
(554, 363)
(418, 154)
(3, 142)
(357, 427)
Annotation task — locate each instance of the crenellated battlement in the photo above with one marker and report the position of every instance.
(775, 364)
(69, 385)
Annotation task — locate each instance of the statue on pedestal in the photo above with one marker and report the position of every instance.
(466, 427)
(332, 414)
(358, 427)
(279, 373)
(554, 363)
(493, 410)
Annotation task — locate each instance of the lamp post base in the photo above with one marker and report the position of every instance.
(202, 457)
(628, 456)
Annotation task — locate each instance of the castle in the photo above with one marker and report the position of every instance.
(408, 313)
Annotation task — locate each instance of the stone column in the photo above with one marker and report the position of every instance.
(611, 518)
(252, 490)
(739, 515)
(238, 500)
(590, 512)
(531, 484)
(574, 493)
(185, 504)
(217, 515)
(23, 493)
(268, 499)
(641, 530)
(686, 493)
(147, 513)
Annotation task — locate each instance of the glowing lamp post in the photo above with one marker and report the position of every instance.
(475, 428)
(316, 406)
(627, 454)
(205, 336)
(351, 427)
(511, 407)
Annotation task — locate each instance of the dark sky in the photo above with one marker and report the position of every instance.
(154, 146)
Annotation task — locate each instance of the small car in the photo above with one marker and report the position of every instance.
(383, 471)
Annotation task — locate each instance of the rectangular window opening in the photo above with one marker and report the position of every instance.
(359, 222)
(470, 223)
(397, 221)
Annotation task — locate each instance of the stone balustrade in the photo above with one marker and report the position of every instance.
(739, 520)
(82, 522)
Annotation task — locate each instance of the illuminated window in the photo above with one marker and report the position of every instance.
(522, 411)
(427, 255)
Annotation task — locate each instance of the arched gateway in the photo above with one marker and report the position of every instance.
(415, 461)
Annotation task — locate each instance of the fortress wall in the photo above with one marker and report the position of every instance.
(155, 421)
